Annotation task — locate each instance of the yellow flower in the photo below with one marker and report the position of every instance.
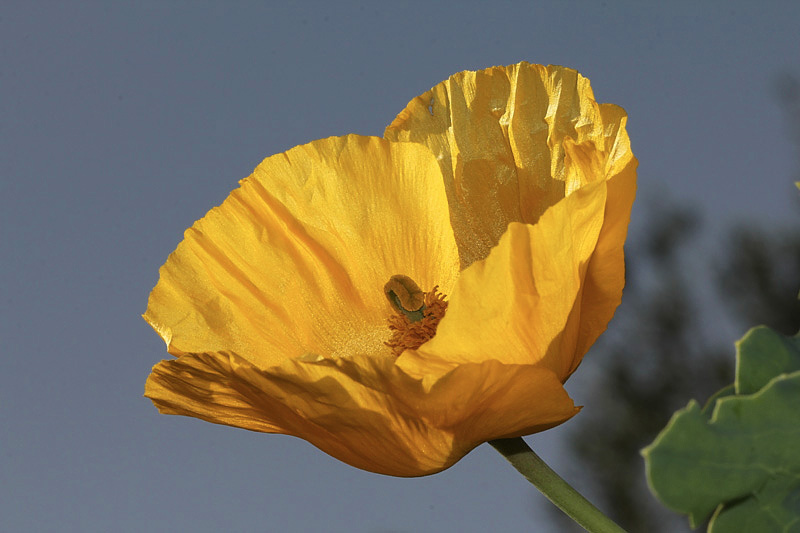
(398, 303)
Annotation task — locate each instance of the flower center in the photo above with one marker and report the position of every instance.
(418, 313)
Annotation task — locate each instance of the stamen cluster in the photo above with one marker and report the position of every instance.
(411, 335)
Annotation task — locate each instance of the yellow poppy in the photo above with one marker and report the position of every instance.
(398, 301)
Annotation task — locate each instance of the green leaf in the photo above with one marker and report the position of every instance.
(739, 456)
(776, 508)
(763, 354)
(746, 457)
(728, 390)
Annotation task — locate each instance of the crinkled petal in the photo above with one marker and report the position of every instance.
(605, 277)
(511, 141)
(365, 411)
(294, 260)
(521, 305)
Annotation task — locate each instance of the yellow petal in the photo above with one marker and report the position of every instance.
(364, 410)
(605, 277)
(512, 141)
(522, 304)
(294, 261)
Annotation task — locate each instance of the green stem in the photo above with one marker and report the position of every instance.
(558, 491)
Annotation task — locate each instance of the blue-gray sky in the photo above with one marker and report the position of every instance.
(121, 123)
